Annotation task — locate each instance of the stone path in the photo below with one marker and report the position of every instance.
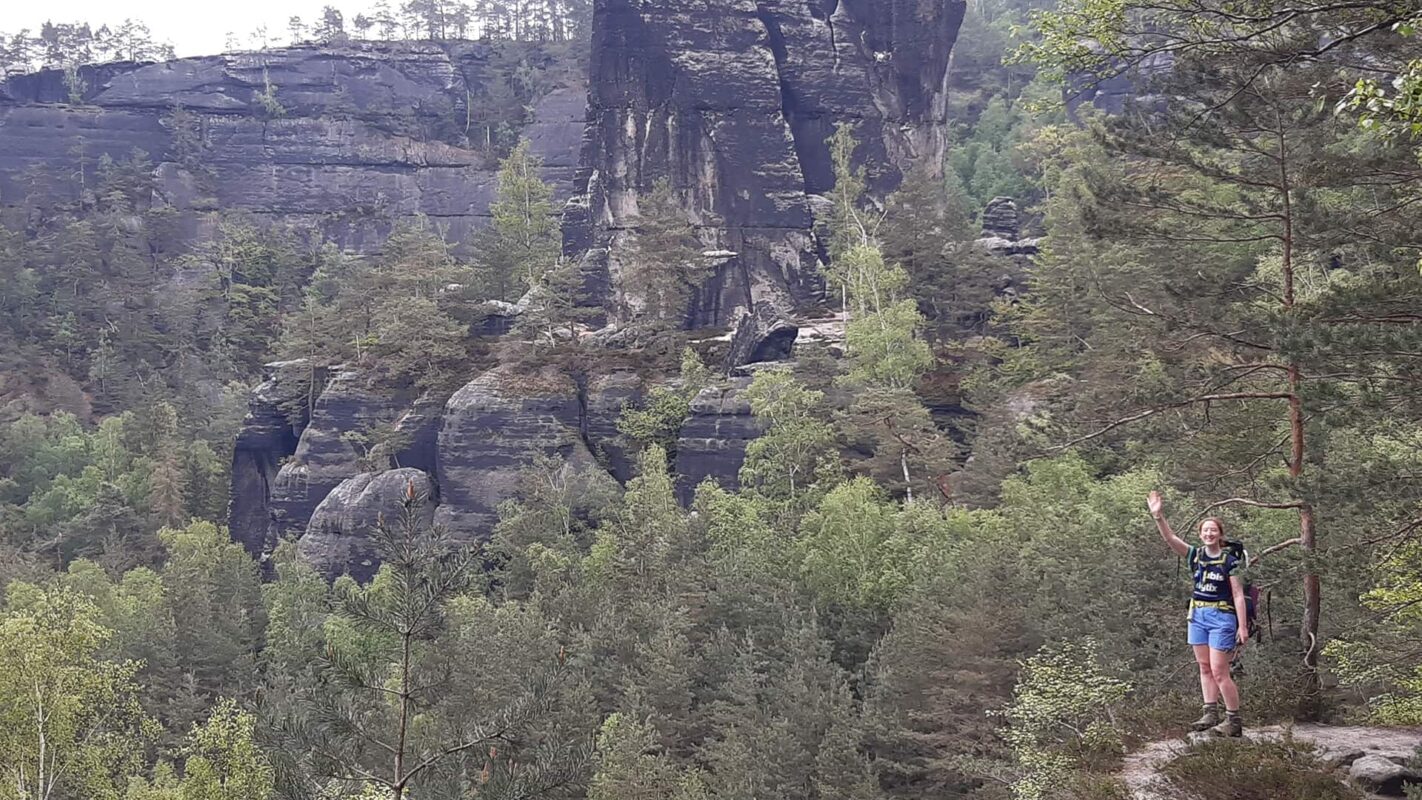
(1339, 744)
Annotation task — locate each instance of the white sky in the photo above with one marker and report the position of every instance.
(195, 28)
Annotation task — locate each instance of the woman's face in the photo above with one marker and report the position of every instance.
(1210, 533)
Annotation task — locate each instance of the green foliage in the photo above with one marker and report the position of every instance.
(639, 549)
(388, 685)
(793, 461)
(223, 760)
(1365, 659)
(628, 764)
(522, 244)
(73, 493)
(985, 163)
(659, 419)
(662, 263)
(1062, 710)
(72, 722)
(850, 224)
(214, 588)
(860, 549)
(405, 315)
(268, 106)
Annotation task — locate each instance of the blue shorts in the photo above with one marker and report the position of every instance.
(1214, 627)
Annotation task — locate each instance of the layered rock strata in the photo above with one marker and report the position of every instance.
(338, 539)
(359, 137)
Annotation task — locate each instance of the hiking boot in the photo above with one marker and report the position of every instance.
(1210, 719)
(1232, 726)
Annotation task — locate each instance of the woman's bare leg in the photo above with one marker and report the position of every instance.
(1209, 688)
(1219, 668)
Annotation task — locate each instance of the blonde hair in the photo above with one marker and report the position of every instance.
(1219, 523)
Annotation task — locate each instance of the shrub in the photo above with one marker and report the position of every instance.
(1233, 770)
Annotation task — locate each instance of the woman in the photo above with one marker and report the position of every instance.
(1218, 622)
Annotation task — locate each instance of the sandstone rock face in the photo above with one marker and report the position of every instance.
(732, 100)
(370, 134)
(269, 435)
(337, 540)
(493, 428)
(606, 396)
(714, 438)
(765, 333)
(324, 457)
(1002, 231)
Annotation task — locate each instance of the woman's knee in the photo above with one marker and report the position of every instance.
(1220, 672)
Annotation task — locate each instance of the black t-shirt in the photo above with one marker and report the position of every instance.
(1212, 574)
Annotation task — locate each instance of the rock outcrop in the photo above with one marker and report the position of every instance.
(365, 135)
(337, 540)
(326, 455)
(713, 439)
(1374, 758)
(732, 100)
(493, 428)
(765, 333)
(276, 416)
(1002, 230)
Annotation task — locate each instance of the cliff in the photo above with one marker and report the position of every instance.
(731, 100)
(359, 137)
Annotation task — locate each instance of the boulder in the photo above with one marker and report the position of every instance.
(1383, 776)
(338, 538)
(324, 457)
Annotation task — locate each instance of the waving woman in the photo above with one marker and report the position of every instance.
(1217, 618)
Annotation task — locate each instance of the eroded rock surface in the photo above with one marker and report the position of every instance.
(338, 539)
(732, 101)
(714, 438)
(367, 134)
(276, 416)
(1337, 746)
(493, 428)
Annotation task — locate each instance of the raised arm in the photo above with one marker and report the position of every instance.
(1156, 504)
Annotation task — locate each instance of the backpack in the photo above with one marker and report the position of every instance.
(1251, 592)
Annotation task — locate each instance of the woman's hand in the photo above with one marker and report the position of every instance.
(1241, 637)
(1155, 503)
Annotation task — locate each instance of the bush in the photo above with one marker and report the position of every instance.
(1233, 770)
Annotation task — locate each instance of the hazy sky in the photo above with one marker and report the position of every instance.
(193, 28)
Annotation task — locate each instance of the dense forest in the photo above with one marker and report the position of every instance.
(938, 576)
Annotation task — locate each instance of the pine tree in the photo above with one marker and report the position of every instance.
(521, 244)
(1252, 188)
(389, 709)
(662, 262)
